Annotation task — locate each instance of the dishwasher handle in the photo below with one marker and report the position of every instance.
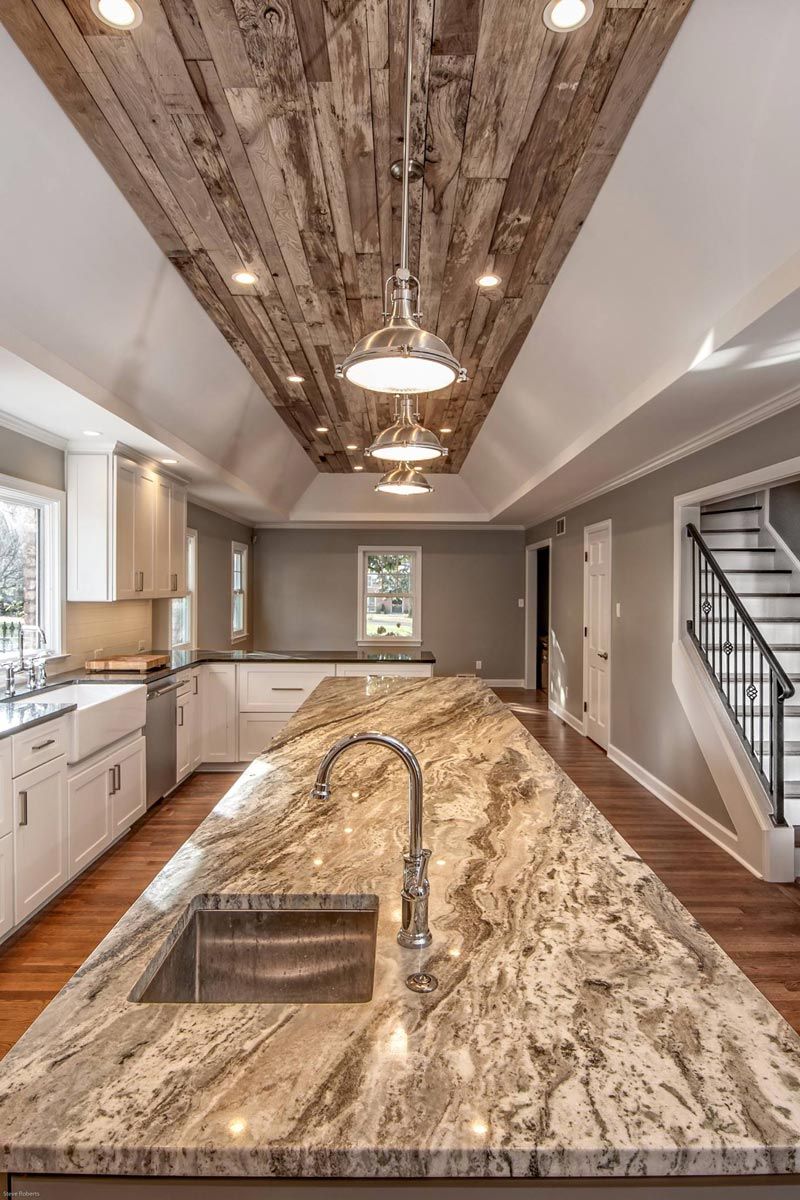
(156, 692)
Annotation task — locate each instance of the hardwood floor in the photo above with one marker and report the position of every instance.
(37, 963)
(756, 923)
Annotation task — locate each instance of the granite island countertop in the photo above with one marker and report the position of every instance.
(584, 1024)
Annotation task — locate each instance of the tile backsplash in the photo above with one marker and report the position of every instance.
(113, 628)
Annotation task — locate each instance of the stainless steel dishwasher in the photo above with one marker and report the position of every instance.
(159, 731)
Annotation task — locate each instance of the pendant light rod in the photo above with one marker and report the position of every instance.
(406, 143)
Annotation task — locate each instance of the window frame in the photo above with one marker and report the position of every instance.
(362, 639)
(52, 556)
(239, 635)
(191, 594)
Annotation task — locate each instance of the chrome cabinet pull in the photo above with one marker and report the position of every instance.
(175, 583)
(112, 772)
(196, 691)
(23, 808)
(118, 777)
(139, 584)
(180, 714)
(43, 745)
(288, 689)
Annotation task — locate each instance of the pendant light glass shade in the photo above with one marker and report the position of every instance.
(404, 480)
(406, 440)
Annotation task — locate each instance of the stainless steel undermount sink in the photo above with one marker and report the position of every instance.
(275, 949)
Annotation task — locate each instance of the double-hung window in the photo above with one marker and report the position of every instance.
(239, 553)
(30, 567)
(390, 588)
(183, 610)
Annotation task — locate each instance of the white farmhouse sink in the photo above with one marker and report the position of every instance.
(106, 712)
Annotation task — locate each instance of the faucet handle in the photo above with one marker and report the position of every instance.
(415, 874)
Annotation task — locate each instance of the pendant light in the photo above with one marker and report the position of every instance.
(406, 440)
(402, 357)
(403, 480)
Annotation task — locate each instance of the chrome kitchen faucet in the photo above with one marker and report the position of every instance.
(414, 932)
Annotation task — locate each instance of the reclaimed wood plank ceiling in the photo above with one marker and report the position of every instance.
(259, 134)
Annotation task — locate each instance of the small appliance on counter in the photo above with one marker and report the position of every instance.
(128, 662)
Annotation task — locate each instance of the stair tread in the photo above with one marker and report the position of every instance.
(769, 593)
(713, 512)
(758, 570)
(743, 549)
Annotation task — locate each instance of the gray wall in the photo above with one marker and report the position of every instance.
(647, 720)
(214, 536)
(307, 593)
(784, 513)
(31, 460)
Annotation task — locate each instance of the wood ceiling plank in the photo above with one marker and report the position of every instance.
(476, 212)
(187, 29)
(36, 41)
(161, 55)
(378, 33)
(223, 34)
(511, 36)
(456, 27)
(420, 66)
(379, 91)
(310, 21)
(330, 145)
(448, 101)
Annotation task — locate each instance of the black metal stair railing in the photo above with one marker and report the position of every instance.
(751, 682)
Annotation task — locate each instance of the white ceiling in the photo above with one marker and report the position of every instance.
(693, 238)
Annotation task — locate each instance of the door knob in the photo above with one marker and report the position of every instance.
(602, 654)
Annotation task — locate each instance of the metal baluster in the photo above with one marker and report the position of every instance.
(761, 710)
(752, 708)
(777, 754)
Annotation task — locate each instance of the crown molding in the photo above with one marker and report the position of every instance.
(374, 526)
(17, 425)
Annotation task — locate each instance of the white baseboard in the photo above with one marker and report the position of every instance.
(725, 838)
(563, 715)
(509, 683)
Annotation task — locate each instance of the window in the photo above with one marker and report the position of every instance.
(390, 580)
(183, 611)
(30, 566)
(239, 590)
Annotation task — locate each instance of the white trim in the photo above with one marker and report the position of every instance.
(389, 526)
(416, 597)
(191, 593)
(52, 504)
(596, 527)
(240, 635)
(529, 575)
(772, 531)
(34, 432)
(501, 683)
(564, 715)
(718, 833)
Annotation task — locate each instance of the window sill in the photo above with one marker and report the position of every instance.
(239, 637)
(381, 641)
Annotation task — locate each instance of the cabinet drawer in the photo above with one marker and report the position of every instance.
(39, 745)
(256, 731)
(6, 792)
(277, 689)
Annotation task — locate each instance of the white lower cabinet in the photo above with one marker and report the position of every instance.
(128, 797)
(89, 813)
(220, 718)
(41, 859)
(256, 731)
(358, 670)
(196, 722)
(6, 884)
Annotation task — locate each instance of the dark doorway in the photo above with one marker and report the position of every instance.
(542, 616)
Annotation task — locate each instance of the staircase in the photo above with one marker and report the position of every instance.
(767, 583)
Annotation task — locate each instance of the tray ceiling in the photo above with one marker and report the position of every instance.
(259, 134)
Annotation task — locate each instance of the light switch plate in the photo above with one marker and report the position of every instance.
(521, 603)
(478, 664)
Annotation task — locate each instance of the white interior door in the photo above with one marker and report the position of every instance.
(597, 631)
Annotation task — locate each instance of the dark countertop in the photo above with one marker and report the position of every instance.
(16, 715)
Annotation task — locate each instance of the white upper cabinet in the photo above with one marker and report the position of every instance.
(126, 529)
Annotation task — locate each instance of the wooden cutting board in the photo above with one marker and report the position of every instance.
(128, 662)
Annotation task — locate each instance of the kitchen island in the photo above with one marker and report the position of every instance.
(584, 1025)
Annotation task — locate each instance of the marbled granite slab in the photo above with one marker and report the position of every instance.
(584, 1024)
(16, 715)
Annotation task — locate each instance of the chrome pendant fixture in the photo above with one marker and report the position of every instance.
(403, 480)
(402, 357)
(406, 440)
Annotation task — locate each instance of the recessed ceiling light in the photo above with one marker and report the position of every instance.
(359, 468)
(322, 429)
(119, 14)
(445, 429)
(564, 15)
(489, 280)
(351, 446)
(91, 433)
(169, 462)
(296, 378)
(245, 277)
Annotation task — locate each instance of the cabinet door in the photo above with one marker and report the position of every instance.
(89, 814)
(220, 713)
(256, 731)
(162, 562)
(177, 539)
(6, 790)
(144, 532)
(6, 883)
(183, 734)
(40, 836)
(196, 727)
(125, 521)
(128, 800)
